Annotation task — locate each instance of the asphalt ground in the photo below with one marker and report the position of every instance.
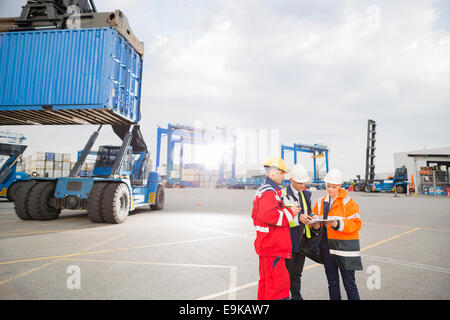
(200, 246)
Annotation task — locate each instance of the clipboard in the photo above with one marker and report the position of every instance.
(323, 220)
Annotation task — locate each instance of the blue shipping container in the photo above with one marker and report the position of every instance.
(69, 76)
(49, 156)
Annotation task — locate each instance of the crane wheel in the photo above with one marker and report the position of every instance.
(116, 203)
(38, 206)
(159, 201)
(21, 201)
(368, 188)
(95, 202)
(12, 190)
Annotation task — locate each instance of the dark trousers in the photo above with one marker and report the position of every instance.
(295, 269)
(348, 277)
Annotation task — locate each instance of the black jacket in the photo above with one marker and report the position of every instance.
(300, 243)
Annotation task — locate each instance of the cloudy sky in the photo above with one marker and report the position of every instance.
(315, 70)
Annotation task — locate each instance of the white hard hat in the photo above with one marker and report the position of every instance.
(298, 174)
(334, 176)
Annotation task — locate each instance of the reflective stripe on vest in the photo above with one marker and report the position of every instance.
(288, 215)
(288, 202)
(294, 223)
(354, 216)
(345, 253)
(280, 220)
(264, 188)
(319, 206)
(305, 208)
(262, 229)
(346, 200)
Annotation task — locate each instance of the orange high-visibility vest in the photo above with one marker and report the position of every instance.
(344, 240)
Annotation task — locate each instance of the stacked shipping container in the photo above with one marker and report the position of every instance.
(52, 165)
(195, 175)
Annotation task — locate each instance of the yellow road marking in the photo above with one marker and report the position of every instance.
(147, 263)
(82, 252)
(371, 246)
(9, 233)
(389, 239)
(405, 226)
(435, 229)
(251, 284)
(20, 275)
(32, 232)
(116, 249)
(56, 261)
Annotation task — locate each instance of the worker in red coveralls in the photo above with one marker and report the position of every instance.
(273, 239)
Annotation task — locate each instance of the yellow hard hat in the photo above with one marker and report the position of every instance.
(276, 162)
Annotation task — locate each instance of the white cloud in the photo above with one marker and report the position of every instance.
(320, 80)
(315, 70)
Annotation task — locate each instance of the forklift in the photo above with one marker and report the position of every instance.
(10, 178)
(122, 180)
(397, 183)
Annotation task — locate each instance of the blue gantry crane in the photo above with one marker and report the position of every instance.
(180, 134)
(317, 151)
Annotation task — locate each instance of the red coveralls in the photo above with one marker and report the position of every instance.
(273, 241)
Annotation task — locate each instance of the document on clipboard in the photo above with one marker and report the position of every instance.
(317, 219)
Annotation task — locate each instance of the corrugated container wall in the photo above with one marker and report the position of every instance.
(70, 76)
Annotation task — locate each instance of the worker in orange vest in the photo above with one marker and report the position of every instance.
(271, 220)
(340, 242)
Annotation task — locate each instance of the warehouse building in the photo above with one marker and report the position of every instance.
(430, 167)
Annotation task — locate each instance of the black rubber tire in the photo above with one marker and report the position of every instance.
(12, 190)
(400, 189)
(95, 202)
(368, 188)
(21, 202)
(160, 199)
(116, 203)
(38, 207)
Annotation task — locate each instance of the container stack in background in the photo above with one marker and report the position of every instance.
(191, 174)
(209, 178)
(52, 165)
(250, 173)
(87, 169)
(194, 175)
